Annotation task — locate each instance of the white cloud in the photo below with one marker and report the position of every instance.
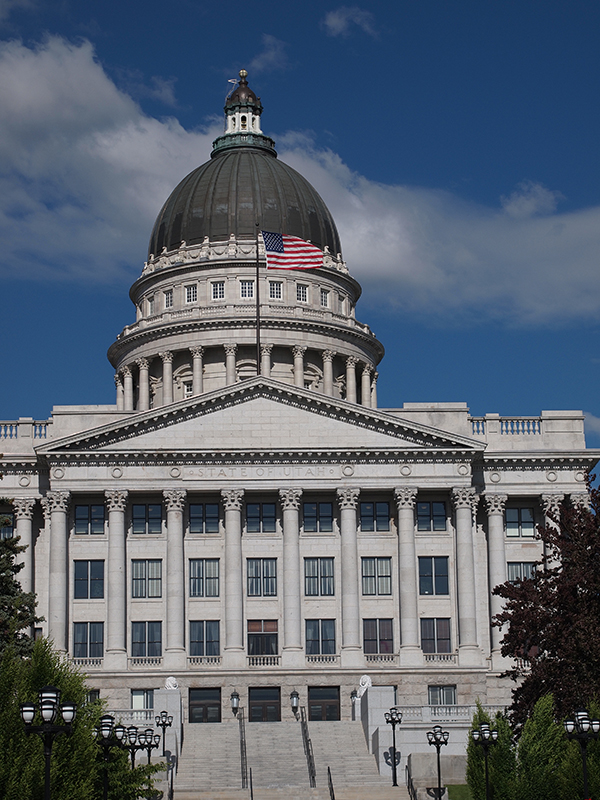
(272, 56)
(592, 423)
(340, 21)
(530, 199)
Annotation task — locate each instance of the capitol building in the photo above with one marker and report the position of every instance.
(245, 518)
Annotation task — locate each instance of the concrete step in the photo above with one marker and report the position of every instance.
(301, 793)
(342, 747)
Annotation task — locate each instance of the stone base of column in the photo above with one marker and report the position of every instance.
(411, 656)
(469, 655)
(234, 658)
(499, 662)
(175, 659)
(352, 657)
(115, 660)
(293, 658)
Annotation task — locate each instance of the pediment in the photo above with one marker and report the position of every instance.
(260, 415)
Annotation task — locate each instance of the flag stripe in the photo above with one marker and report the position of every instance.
(290, 252)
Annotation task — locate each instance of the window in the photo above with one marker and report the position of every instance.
(262, 577)
(89, 580)
(262, 637)
(325, 298)
(320, 637)
(147, 518)
(188, 389)
(275, 290)
(260, 517)
(520, 570)
(146, 578)
(374, 517)
(376, 576)
(204, 577)
(92, 696)
(441, 695)
(378, 636)
(191, 293)
(204, 637)
(168, 295)
(302, 293)
(7, 528)
(218, 290)
(204, 517)
(88, 640)
(142, 699)
(435, 635)
(520, 522)
(433, 574)
(247, 289)
(89, 519)
(318, 577)
(318, 517)
(151, 305)
(431, 516)
(146, 639)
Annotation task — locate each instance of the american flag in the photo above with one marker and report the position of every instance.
(290, 252)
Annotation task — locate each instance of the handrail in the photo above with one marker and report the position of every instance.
(251, 787)
(243, 754)
(308, 749)
(330, 784)
(410, 785)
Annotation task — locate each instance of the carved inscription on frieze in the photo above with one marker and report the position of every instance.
(267, 472)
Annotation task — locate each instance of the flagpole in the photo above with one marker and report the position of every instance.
(258, 365)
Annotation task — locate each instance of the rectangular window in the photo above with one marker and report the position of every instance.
(520, 570)
(88, 640)
(262, 637)
(191, 293)
(318, 517)
(275, 290)
(188, 389)
(7, 524)
(435, 635)
(431, 516)
(433, 574)
(441, 695)
(89, 580)
(146, 639)
(260, 517)
(151, 305)
(204, 577)
(89, 519)
(168, 295)
(247, 289)
(320, 637)
(324, 298)
(378, 636)
(146, 518)
(204, 638)
(374, 517)
(146, 578)
(204, 517)
(318, 577)
(520, 522)
(142, 699)
(262, 577)
(376, 576)
(218, 290)
(302, 293)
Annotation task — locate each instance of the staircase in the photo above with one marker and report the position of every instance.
(209, 761)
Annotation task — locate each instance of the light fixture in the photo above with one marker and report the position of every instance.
(295, 701)
(235, 702)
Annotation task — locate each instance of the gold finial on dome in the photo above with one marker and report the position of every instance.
(243, 74)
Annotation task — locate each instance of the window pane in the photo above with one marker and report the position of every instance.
(212, 638)
(434, 695)
(512, 521)
(328, 637)
(443, 635)
(326, 517)
(382, 511)
(269, 577)
(386, 637)
(196, 638)
(196, 518)
(80, 633)
(196, 577)
(154, 518)
(97, 519)
(423, 516)
(441, 574)
(253, 517)
(528, 569)
(254, 577)
(212, 517)
(212, 577)
(514, 571)
(82, 514)
(428, 635)
(268, 517)
(154, 639)
(367, 516)
(138, 639)
(439, 516)
(310, 517)
(311, 577)
(138, 514)
(138, 578)
(384, 575)
(96, 639)
(155, 578)
(370, 635)
(327, 577)
(527, 522)
(425, 575)
(312, 637)
(368, 576)
(96, 579)
(81, 579)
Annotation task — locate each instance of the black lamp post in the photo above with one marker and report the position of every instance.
(295, 702)
(150, 741)
(393, 717)
(164, 721)
(583, 729)
(106, 736)
(235, 702)
(438, 738)
(485, 737)
(134, 740)
(48, 707)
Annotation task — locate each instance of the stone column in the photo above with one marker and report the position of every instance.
(175, 585)
(365, 386)
(58, 586)
(469, 654)
(167, 377)
(299, 365)
(144, 384)
(328, 356)
(351, 363)
(116, 581)
(374, 390)
(23, 508)
(410, 650)
(495, 505)
(128, 388)
(230, 376)
(351, 645)
(551, 505)
(265, 360)
(197, 370)
(119, 388)
(234, 617)
(292, 616)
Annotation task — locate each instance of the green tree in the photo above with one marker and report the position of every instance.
(501, 760)
(541, 752)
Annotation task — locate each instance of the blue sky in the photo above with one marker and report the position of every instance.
(456, 144)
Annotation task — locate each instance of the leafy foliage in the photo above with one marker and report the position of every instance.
(501, 760)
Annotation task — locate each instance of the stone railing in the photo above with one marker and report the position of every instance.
(447, 713)
(145, 661)
(441, 658)
(24, 428)
(332, 660)
(561, 430)
(382, 659)
(264, 661)
(508, 426)
(88, 663)
(211, 661)
(133, 716)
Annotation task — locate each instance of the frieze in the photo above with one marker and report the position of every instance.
(268, 471)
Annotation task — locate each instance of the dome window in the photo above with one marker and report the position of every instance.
(191, 293)
(218, 290)
(325, 298)
(275, 290)
(302, 293)
(247, 289)
(169, 298)
(244, 123)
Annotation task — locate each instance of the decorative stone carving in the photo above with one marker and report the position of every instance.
(405, 496)
(197, 352)
(266, 349)
(126, 372)
(230, 348)
(298, 351)
(348, 498)
(495, 503)
(551, 504)
(167, 357)
(116, 500)
(23, 507)
(232, 499)
(58, 501)
(175, 499)
(474, 504)
(328, 355)
(46, 511)
(366, 369)
(463, 497)
(351, 361)
(290, 499)
(171, 683)
(580, 499)
(118, 380)
(364, 683)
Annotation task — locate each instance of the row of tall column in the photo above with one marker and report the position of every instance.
(124, 379)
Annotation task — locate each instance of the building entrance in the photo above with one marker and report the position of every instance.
(324, 703)
(264, 705)
(205, 705)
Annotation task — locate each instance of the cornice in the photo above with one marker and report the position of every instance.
(533, 460)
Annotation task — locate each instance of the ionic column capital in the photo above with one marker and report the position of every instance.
(290, 499)
(197, 352)
(167, 357)
(116, 500)
(328, 355)
(175, 499)
(232, 499)
(58, 501)
(348, 498)
(23, 507)
(495, 503)
(405, 496)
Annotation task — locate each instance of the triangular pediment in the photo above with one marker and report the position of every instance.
(259, 415)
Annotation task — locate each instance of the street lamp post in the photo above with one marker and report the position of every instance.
(48, 707)
(152, 741)
(134, 740)
(438, 738)
(583, 729)
(164, 721)
(106, 736)
(393, 717)
(485, 737)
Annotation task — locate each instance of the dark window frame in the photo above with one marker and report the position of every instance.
(89, 519)
(378, 636)
(261, 517)
(431, 516)
(434, 577)
(319, 576)
(376, 574)
(148, 522)
(88, 640)
(203, 584)
(320, 637)
(317, 517)
(205, 637)
(374, 516)
(436, 635)
(146, 639)
(261, 575)
(201, 521)
(88, 579)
